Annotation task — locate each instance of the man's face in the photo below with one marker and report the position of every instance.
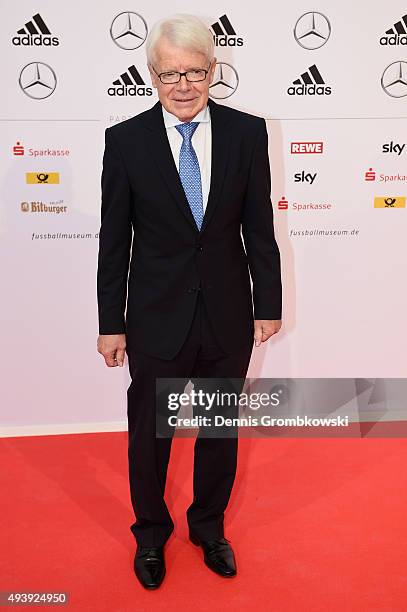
(183, 99)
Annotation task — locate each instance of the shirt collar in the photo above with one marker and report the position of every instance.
(171, 120)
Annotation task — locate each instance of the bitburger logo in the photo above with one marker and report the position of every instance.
(224, 34)
(130, 83)
(35, 33)
(310, 83)
(43, 207)
(396, 35)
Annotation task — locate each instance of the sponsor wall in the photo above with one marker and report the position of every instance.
(332, 85)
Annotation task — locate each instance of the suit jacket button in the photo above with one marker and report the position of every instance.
(199, 247)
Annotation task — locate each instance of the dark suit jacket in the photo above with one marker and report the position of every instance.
(146, 221)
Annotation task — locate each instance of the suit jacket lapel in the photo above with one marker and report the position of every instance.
(161, 151)
(220, 156)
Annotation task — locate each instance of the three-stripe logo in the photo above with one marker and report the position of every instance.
(309, 83)
(224, 34)
(35, 33)
(397, 34)
(130, 83)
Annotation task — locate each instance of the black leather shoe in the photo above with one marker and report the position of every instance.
(149, 566)
(218, 555)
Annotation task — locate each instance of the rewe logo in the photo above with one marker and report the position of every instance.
(224, 33)
(304, 177)
(35, 33)
(392, 147)
(130, 83)
(307, 147)
(310, 83)
(396, 35)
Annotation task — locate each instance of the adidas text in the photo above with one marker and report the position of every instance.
(130, 90)
(309, 90)
(35, 40)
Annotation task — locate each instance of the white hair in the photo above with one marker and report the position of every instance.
(185, 31)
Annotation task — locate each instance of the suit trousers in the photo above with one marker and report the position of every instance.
(215, 459)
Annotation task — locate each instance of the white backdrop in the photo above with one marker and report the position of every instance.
(345, 296)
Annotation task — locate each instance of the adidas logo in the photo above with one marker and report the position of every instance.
(224, 34)
(35, 33)
(397, 35)
(310, 83)
(130, 83)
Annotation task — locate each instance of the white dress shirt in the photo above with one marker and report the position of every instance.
(201, 141)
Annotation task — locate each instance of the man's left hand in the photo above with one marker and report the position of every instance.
(264, 329)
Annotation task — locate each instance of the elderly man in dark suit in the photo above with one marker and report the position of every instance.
(181, 184)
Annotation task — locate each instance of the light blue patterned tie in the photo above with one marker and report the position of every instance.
(189, 171)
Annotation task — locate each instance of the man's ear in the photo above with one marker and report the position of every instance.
(152, 75)
(212, 70)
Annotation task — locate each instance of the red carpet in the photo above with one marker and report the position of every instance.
(316, 524)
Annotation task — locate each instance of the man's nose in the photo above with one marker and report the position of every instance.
(183, 84)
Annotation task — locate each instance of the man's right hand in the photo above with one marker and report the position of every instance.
(112, 347)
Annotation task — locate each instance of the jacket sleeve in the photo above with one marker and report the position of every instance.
(115, 238)
(258, 234)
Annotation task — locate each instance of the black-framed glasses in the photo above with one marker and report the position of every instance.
(193, 76)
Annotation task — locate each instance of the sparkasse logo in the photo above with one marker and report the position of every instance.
(310, 83)
(224, 34)
(20, 150)
(370, 175)
(307, 148)
(283, 204)
(35, 33)
(396, 35)
(130, 83)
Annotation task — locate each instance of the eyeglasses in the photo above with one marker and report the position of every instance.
(193, 76)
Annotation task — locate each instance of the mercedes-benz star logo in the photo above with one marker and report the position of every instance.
(394, 80)
(225, 81)
(128, 30)
(312, 30)
(37, 80)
